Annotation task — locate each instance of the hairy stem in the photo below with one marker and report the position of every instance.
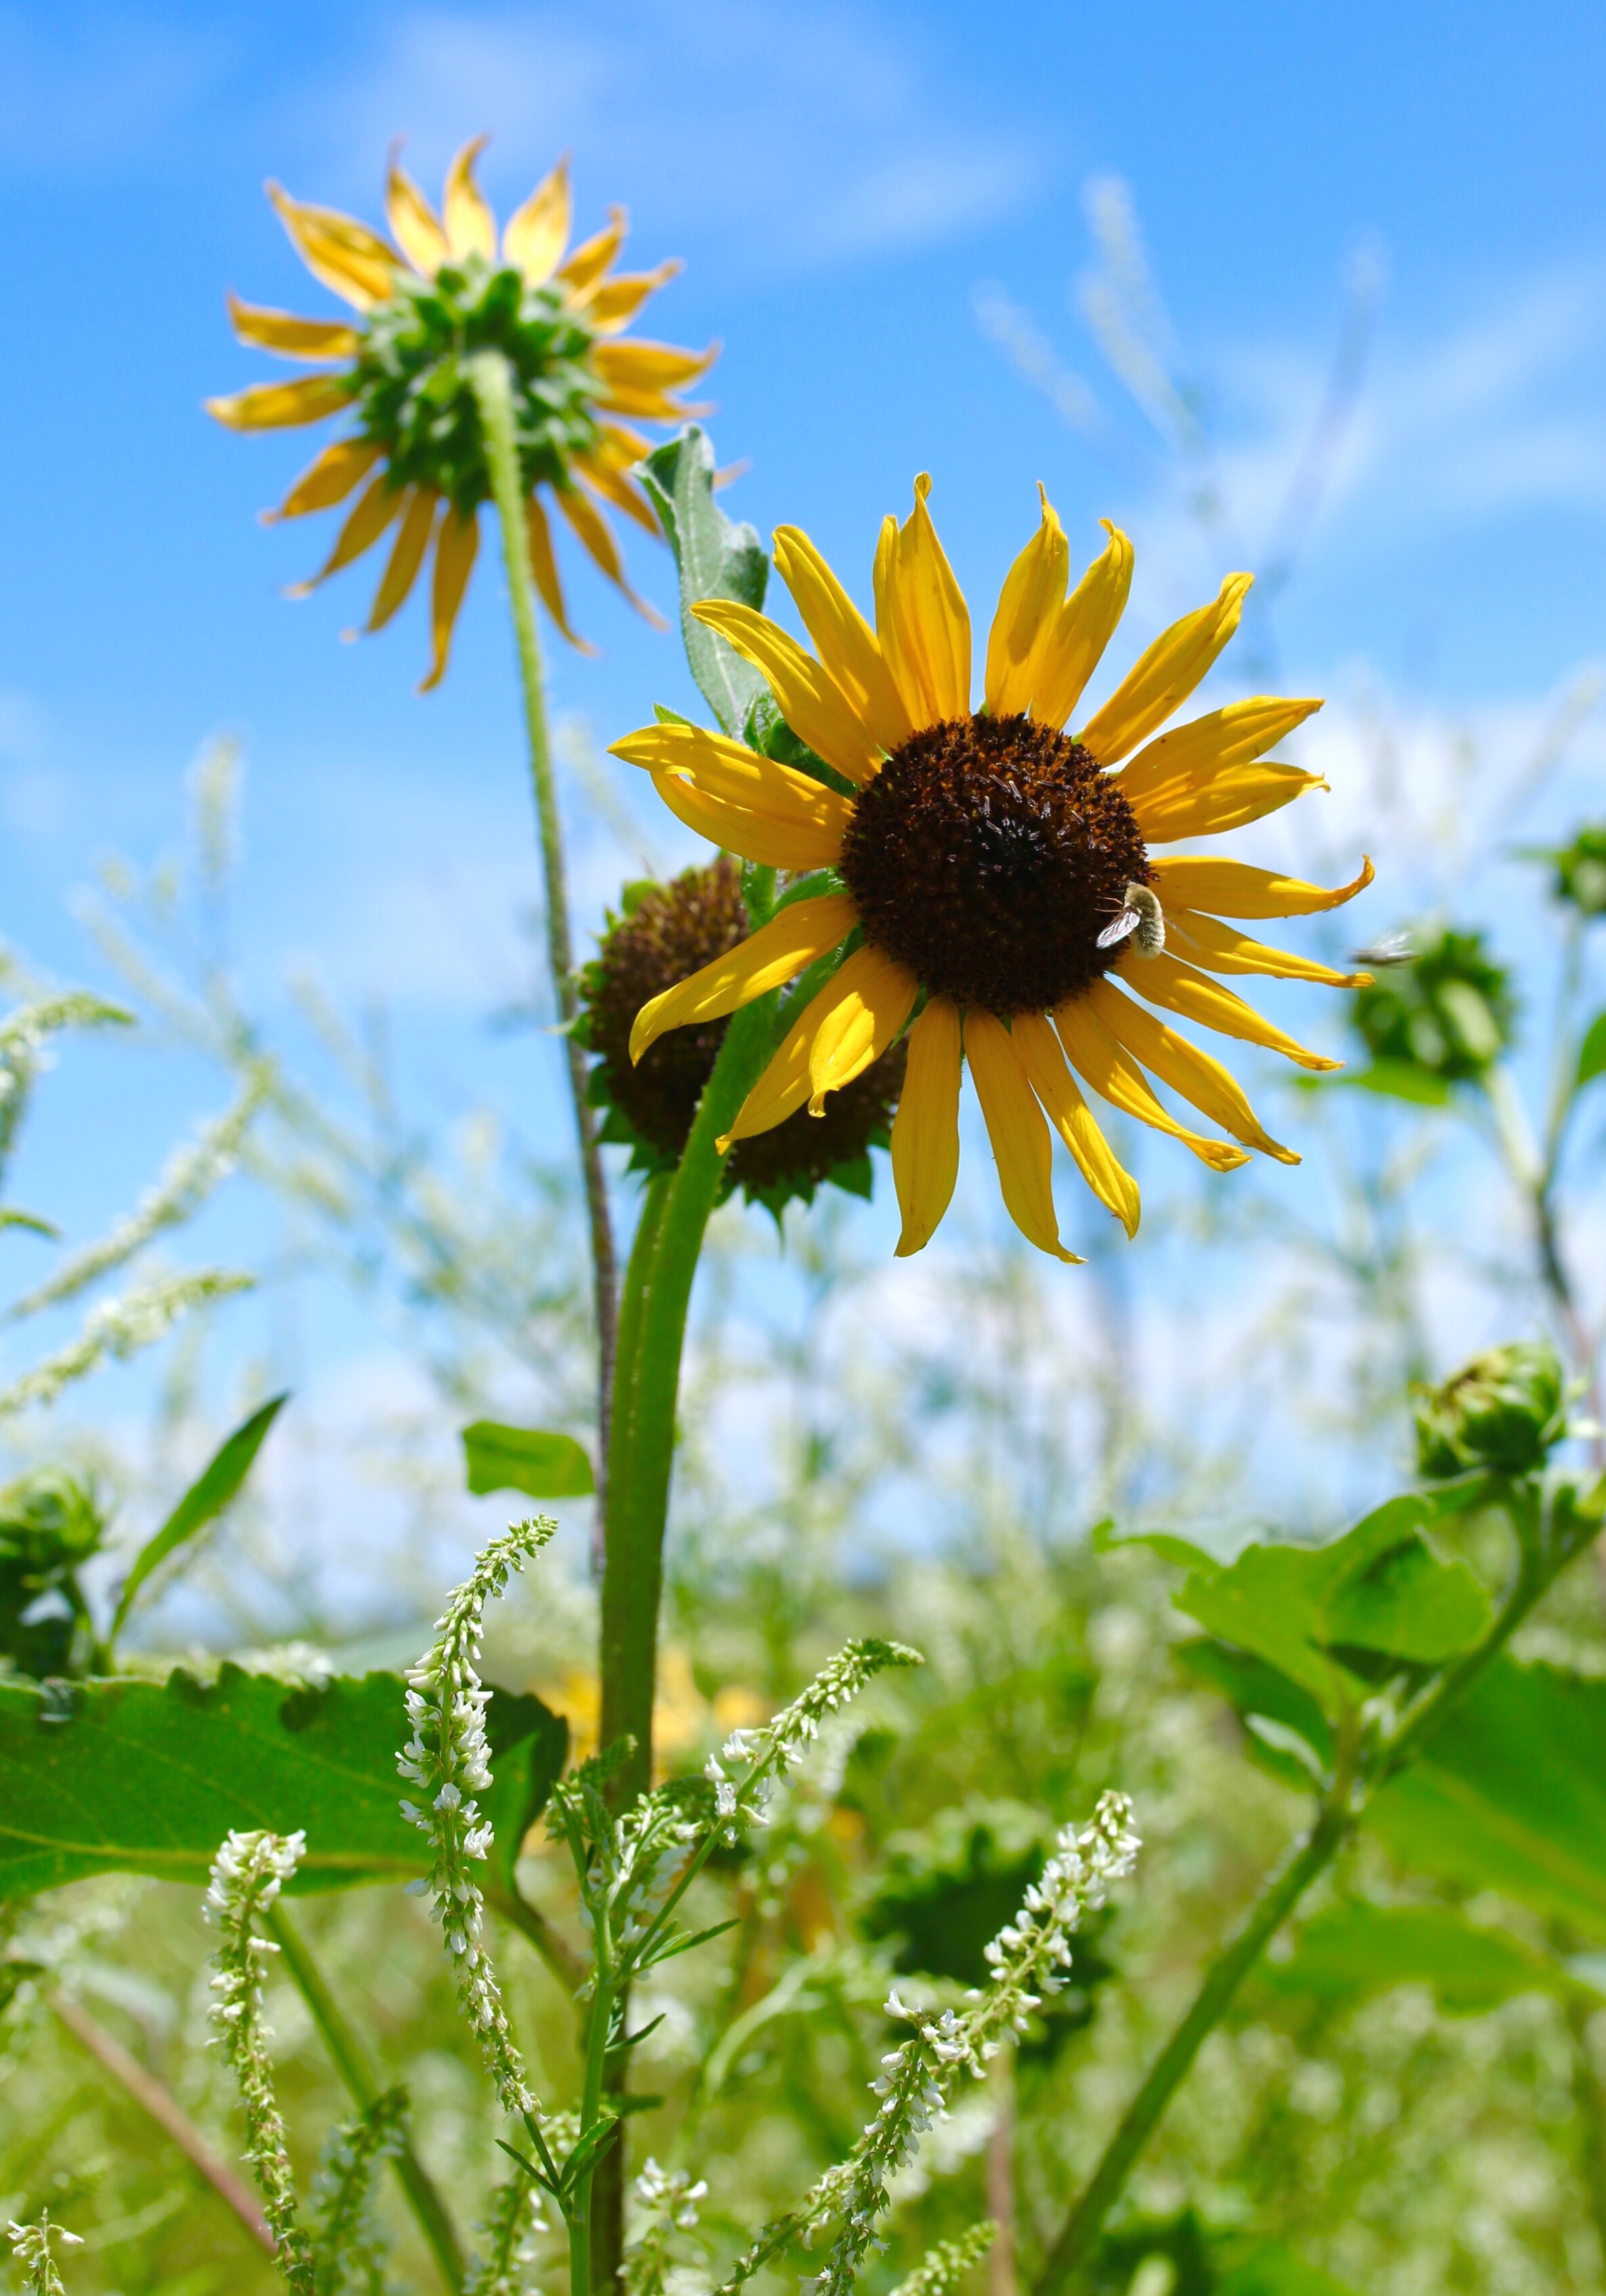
(351, 2063)
(492, 391)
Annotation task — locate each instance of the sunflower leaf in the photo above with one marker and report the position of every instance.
(716, 559)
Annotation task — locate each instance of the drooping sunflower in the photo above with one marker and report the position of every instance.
(980, 870)
(423, 305)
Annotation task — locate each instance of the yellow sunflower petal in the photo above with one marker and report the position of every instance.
(649, 366)
(776, 952)
(455, 550)
(1161, 679)
(597, 538)
(1164, 980)
(755, 836)
(1028, 610)
(875, 996)
(1221, 947)
(340, 252)
(1231, 889)
(592, 256)
(613, 303)
(1200, 1080)
(378, 505)
(783, 1087)
(1082, 629)
(844, 640)
(1233, 736)
(1094, 1054)
(1042, 1058)
(414, 223)
(739, 776)
(276, 405)
(471, 228)
(1017, 1130)
(806, 693)
(925, 1131)
(292, 338)
(610, 482)
(538, 233)
(327, 480)
(543, 568)
(1217, 799)
(406, 556)
(921, 620)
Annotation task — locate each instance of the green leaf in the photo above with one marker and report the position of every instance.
(201, 1503)
(529, 1745)
(1592, 1053)
(1256, 1689)
(147, 1777)
(1270, 2270)
(716, 559)
(533, 1460)
(1510, 1794)
(1354, 1951)
(1397, 1081)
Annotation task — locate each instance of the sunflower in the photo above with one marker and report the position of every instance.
(423, 305)
(990, 873)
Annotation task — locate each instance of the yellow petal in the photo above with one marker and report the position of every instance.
(776, 952)
(413, 223)
(805, 693)
(276, 405)
(302, 339)
(592, 256)
(471, 228)
(328, 480)
(925, 1131)
(543, 567)
(1231, 889)
(1161, 680)
(406, 556)
(1094, 1054)
(649, 366)
(610, 482)
(597, 537)
(1165, 981)
(1217, 799)
(538, 233)
(739, 776)
(921, 620)
(344, 254)
(1084, 627)
(615, 302)
(1233, 736)
(875, 996)
(1044, 1060)
(455, 550)
(1029, 613)
(376, 507)
(755, 836)
(1016, 1129)
(1200, 1080)
(783, 1087)
(844, 640)
(1222, 948)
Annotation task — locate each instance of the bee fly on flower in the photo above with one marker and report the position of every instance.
(1141, 915)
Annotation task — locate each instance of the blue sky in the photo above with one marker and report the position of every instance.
(887, 212)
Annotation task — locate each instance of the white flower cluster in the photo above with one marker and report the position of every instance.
(941, 2269)
(670, 2199)
(248, 1873)
(30, 2251)
(781, 1743)
(669, 2193)
(514, 2219)
(348, 2245)
(448, 1756)
(1026, 1958)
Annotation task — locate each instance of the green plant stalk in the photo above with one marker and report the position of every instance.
(492, 383)
(1337, 1817)
(638, 1275)
(591, 2112)
(429, 2209)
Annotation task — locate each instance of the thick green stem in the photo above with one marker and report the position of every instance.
(492, 383)
(352, 2065)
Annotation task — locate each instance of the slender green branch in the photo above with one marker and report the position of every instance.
(351, 2063)
(492, 384)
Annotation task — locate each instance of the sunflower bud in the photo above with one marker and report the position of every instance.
(1448, 1016)
(1503, 1411)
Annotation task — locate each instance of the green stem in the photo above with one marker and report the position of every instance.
(492, 382)
(591, 2103)
(638, 1277)
(352, 2065)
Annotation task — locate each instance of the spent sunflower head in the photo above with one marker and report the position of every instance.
(422, 303)
(991, 876)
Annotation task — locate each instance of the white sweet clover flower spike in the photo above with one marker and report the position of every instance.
(247, 1875)
(670, 2199)
(448, 1759)
(510, 2223)
(781, 1745)
(942, 2268)
(31, 2254)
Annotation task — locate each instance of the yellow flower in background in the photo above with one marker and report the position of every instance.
(423, 306)
(993, 870)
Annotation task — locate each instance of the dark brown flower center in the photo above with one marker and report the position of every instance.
(987, 854)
